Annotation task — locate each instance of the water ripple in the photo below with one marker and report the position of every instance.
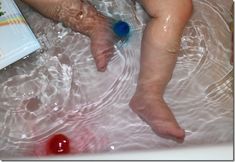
(58, 90)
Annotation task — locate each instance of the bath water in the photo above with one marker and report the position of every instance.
(59, 91)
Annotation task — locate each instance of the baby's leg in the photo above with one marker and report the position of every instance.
(160, 47)
(84, 18)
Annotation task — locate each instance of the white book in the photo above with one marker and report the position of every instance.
(16, 38)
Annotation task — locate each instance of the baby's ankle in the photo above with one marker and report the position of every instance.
(152, 89)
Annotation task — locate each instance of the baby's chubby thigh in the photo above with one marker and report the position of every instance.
(180, 9)
(170, 16)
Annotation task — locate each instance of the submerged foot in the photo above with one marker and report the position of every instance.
(153, 109)
(102, 44)
(82, 17)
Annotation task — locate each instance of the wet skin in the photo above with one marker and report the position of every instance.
(159, 51)
(82, 17)
(160, 46)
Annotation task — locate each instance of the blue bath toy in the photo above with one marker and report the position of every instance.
(121, 29)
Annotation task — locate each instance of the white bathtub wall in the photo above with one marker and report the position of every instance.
(222, 152)
(70, 96)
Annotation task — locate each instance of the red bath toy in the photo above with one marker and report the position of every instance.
(78, 141)
(58, 144)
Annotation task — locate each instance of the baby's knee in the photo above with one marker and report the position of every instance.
(178, 10)
(183, 11)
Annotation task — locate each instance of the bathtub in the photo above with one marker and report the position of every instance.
(62, 84)
(214, 153)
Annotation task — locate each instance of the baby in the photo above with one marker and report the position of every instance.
(159, 51)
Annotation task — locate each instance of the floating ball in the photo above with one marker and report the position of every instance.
(121, 29)
(58, 144)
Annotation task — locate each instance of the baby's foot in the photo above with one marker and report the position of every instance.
(84, 18)
(152, 108)
(102, 44)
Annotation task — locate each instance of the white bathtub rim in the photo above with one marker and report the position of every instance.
(219, 152)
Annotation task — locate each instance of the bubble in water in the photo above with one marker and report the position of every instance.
(33, 104)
